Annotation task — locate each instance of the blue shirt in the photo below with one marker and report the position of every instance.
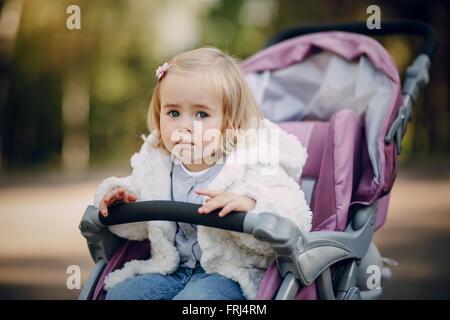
(184, 182)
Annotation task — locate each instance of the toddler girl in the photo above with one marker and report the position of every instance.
(208, 145)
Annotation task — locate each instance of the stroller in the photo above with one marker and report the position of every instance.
(339, 92)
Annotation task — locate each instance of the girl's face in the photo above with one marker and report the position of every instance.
(191, 117)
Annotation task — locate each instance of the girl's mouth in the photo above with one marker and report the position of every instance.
(185, 143)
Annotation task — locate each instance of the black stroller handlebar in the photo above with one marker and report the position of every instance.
(171, 211)
(413, 27)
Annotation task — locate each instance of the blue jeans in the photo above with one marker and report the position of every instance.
(183, 284)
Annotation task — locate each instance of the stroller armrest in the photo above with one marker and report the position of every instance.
(324, 248)
(307, 255)
(101, 242)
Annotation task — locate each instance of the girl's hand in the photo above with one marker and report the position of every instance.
(226, 200)
(115, 196)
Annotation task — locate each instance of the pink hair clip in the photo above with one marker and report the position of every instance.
(162, 70)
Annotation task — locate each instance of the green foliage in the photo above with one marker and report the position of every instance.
(120, 45)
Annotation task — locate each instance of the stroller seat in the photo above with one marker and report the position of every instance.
(329, 173)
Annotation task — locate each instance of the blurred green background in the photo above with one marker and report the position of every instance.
(73, 105)
(77, 99)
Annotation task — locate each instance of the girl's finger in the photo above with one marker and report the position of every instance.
(112, 199)
(214, 204)
(208, 192)
(131, 197)
(112, 195)
(108, 196)
(103, 209)
(121, 194)
(227, 209)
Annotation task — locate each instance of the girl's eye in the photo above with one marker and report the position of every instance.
(202, 114)
(173, 113)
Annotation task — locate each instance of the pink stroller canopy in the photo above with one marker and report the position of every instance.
(319, 74)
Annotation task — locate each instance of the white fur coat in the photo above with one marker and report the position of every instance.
(267, 170)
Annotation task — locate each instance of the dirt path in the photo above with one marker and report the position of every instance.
(39, 239)
(417, 235)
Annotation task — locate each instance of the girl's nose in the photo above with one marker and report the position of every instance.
(186, 124)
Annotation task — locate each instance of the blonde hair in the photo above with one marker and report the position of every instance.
(225, 75)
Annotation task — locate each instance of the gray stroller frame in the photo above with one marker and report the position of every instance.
(302, 258)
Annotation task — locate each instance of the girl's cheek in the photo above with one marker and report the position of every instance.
(166, 141)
